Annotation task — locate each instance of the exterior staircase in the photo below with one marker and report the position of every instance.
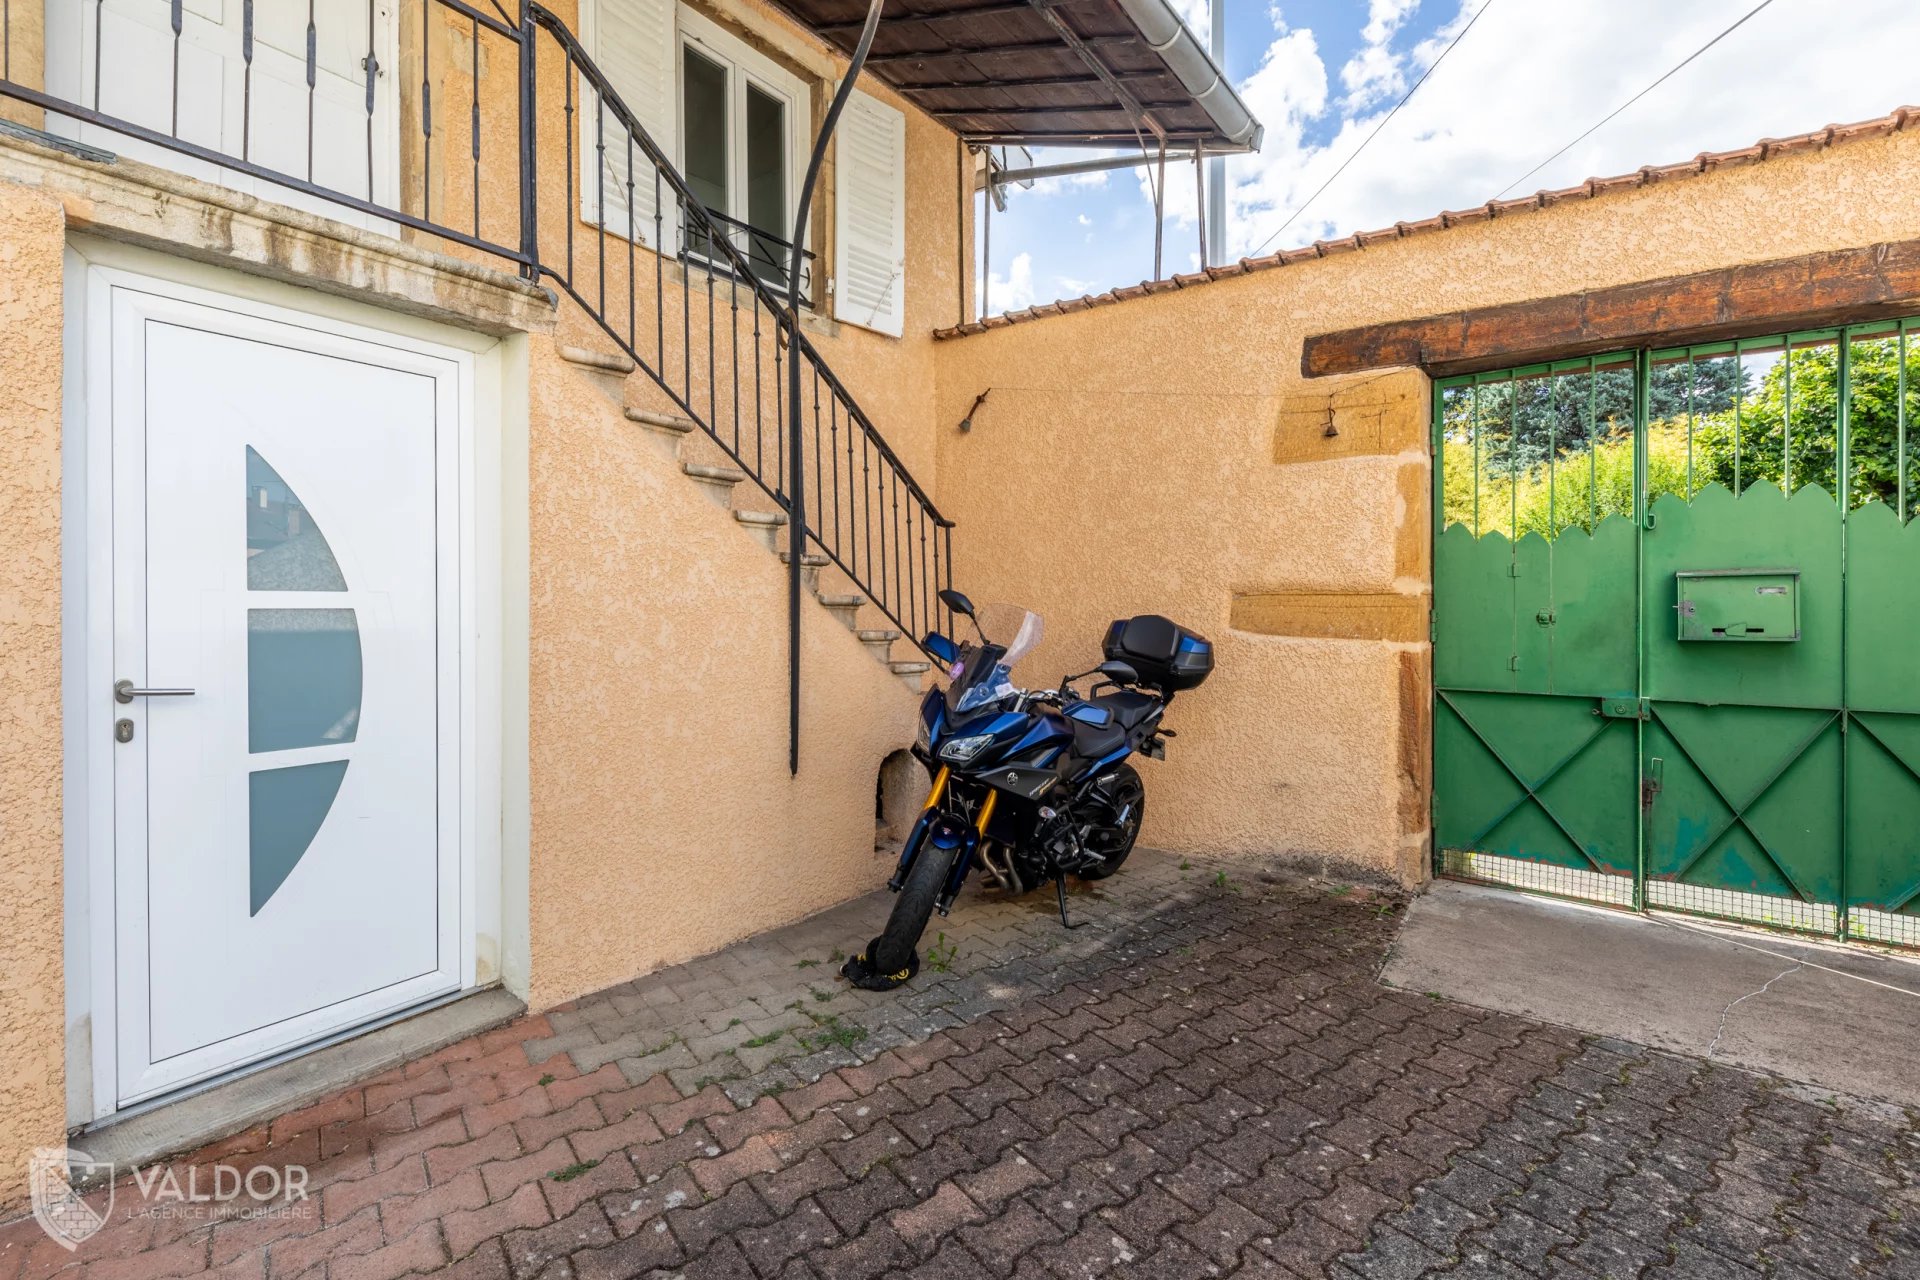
(681, 440)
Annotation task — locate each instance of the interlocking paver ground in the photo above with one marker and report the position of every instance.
(1206, 1080)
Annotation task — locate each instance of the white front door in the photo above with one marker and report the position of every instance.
(286, 794)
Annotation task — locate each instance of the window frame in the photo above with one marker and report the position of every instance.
(744, 66)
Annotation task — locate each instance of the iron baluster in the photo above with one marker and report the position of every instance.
(834, 461)
(98, 33)
(756, 376)
(246, 79)
(372, 67)
(866, 506)
(633, 232)
(177, 20)
(529, 144)
(567, 215)
(426, 116)
(659, 276)
(686, 306)
(473, 125)
(819, 497)
(713, 387)
(600, 192)
(779, 417)
(313, 77)
(733, 353)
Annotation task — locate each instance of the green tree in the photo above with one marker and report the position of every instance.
(1787, 432)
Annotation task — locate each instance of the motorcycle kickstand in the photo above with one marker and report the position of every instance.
(1060, 892)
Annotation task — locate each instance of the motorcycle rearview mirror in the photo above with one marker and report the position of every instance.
(1119, 672)
(962, 606)
(941, 647)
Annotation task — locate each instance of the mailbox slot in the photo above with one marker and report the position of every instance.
(1747, 606)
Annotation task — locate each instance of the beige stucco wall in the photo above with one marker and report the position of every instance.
(32, 1083)
(665, 822)
(1165, 454)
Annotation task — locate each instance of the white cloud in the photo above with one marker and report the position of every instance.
(1376, 71)
(1013, 291)
(1530, 77)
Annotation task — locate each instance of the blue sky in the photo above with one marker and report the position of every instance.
(1527, 79)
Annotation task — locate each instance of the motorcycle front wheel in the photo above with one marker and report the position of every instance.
(893, 949)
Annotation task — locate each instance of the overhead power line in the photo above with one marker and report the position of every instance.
(1292, 217)
(1635, 98)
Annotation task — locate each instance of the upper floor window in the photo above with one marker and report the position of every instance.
(738, 127)
(734, 123)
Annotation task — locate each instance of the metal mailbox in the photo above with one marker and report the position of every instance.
(1744, 605)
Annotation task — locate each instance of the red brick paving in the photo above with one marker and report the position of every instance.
(1221, 1090)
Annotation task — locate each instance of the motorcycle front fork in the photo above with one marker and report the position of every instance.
(969, 842)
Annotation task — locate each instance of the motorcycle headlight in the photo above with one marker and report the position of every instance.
(961, 750)
(922, 738)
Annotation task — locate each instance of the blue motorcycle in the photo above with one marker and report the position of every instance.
(1028, 785)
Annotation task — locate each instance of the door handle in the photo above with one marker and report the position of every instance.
(123, 691)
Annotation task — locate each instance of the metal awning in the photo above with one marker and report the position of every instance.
(1041, 73)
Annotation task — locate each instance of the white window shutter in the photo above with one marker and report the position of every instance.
(870, 218)
(635, 48)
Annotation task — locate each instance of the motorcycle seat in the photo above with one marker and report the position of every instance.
(1127, 710)
(1129, 707)
(1092, 741)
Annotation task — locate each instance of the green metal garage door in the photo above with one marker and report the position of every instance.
(1661, 680)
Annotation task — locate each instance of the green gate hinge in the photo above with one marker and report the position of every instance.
(1624, 709)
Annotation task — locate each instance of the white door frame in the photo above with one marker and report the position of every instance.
(94, 268)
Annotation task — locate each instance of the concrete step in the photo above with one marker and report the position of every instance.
(665, 429)
(810, 566)
(879, 642)
(844, 607)
(763, 525)
(611, 363)
(670, 422)
(717, 481)
(912, 674)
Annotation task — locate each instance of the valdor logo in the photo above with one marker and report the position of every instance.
(226, 1192)
(57, 1207)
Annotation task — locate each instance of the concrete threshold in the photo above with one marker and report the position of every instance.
(1838, 1016)
(226, 1108)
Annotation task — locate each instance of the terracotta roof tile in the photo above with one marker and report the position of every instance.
(1900, 119)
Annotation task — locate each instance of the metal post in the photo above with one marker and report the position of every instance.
(1216, 211)
(986, 243)
(796, 481)
(1159, 207)
(529, 203)
(1200, 206)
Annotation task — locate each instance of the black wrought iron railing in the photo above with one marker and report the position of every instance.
(504, 139)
